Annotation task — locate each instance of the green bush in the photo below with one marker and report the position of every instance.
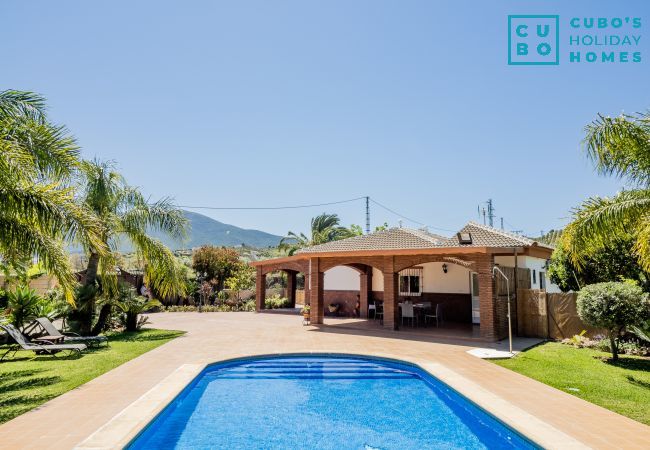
(4, 298)
(24, 306)
(614, 307)
(248, 305)
(131, 306)
(276, 302)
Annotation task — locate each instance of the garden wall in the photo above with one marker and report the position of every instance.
(549, 316)
(41, 284)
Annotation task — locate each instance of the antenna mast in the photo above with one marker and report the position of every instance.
(490, 212)
(367, 215)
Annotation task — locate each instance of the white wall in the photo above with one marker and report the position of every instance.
(341, 278)
(532, 263)
(455, 281)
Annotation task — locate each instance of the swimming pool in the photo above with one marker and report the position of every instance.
(324, 402)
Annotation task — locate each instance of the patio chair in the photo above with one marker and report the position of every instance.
(379, 312)
(408, 312)
(24, 343)
(434, 315)
(372, 307)
(68, 337)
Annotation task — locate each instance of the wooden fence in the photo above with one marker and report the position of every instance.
(550, 316)
(300, 296)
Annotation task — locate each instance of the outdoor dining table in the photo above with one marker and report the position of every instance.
(418, 308)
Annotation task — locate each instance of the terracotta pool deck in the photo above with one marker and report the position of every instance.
(107, 411)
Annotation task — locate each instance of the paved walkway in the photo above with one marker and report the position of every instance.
(549, 416)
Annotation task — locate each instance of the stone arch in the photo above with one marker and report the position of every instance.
(295, 266)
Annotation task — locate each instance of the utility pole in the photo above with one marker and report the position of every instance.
(502, 223)
(367, 215)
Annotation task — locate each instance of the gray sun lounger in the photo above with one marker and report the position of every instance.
(26, 344)
(70, 338)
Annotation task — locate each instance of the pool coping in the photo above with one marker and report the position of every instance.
(125, 426)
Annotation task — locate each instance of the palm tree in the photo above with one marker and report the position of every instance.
(618, 146)
(38, 212)
(324, 228)
(124, 213)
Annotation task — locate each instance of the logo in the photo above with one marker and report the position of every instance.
(534, 40)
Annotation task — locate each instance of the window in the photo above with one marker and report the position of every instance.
(465, 238)
(534, 277)
(542, 280)
(410, 282)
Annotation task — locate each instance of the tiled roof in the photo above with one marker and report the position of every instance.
(407, 238)
(391, 239)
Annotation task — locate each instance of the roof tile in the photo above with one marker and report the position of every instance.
(407, 238)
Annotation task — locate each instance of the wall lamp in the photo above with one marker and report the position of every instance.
(444, 268)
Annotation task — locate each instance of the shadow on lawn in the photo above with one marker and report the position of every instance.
(16, 382)
(639, 364)
(143, 336)
(13, 402)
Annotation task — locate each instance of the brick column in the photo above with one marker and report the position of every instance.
(487, 297)
(260, 290)
(291, 288)
(365, 288)
(316, 282)
(390, 293)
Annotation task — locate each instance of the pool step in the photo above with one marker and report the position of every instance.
(312, 369)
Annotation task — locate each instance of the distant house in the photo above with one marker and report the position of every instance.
(400, 264)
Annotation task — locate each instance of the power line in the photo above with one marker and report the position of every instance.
(270, 207)
(314, 205)
(406, 218)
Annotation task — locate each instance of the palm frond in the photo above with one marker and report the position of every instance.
(599, 217)
(159, 216)
(20, 239)
(161, 269)
(620, 146)
(22, 104)
(642, 246)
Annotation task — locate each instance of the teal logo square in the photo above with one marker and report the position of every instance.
(534, 40)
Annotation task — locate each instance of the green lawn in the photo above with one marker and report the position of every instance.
(26, 381)
(623, 387)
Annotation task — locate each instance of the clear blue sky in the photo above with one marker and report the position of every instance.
(249, 103)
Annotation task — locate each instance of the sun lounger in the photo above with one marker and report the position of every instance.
(51, 330)
(25, 344)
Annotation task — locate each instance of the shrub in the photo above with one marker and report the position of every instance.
(248, 305)
(276, 302)
(613, 306)
(24, 306)
(4, 298)
(131, 307)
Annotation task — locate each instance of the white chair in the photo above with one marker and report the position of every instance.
(372, 307)
(436, 315)
(408, 312)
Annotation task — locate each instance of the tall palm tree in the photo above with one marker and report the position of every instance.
(124, 213)
(324, 228)
(38, 212)
(620, 147)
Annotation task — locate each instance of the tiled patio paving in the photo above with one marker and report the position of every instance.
(553, 418)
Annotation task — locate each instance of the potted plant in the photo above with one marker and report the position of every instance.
(306, 320)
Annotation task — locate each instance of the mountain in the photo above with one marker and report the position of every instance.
(205, 230)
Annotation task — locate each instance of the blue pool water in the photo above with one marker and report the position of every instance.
(323, 402)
